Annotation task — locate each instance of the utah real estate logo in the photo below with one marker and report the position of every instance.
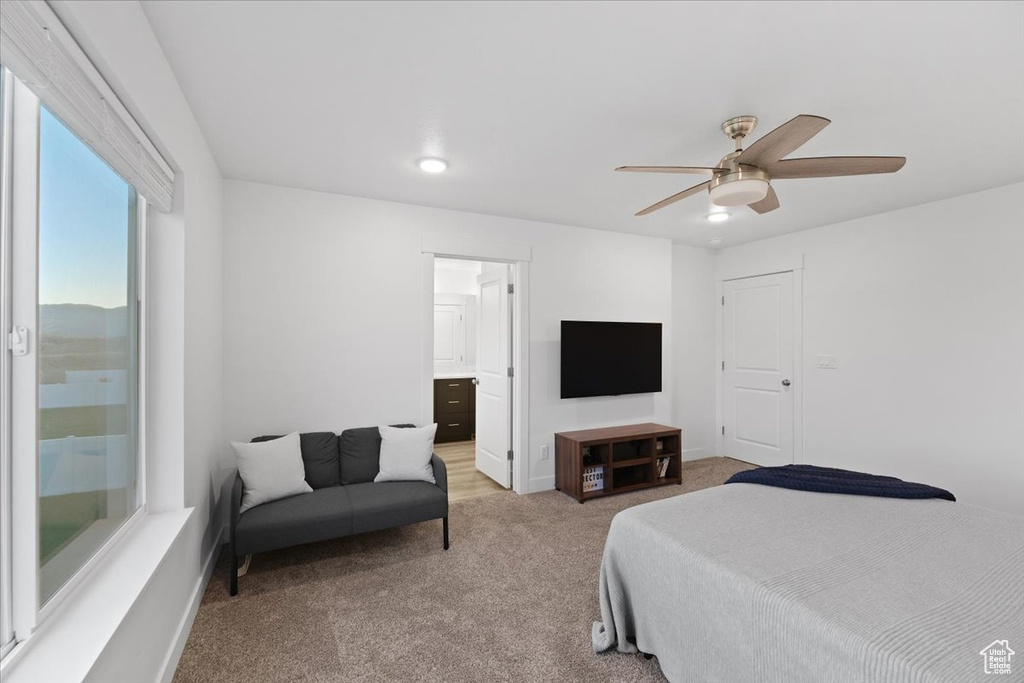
(997, 657)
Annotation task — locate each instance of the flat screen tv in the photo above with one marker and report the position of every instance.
(609, 359)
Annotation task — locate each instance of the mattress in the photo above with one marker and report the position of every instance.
(753, 583)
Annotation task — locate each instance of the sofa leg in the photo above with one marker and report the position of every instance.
(234, 573)
(446, 533)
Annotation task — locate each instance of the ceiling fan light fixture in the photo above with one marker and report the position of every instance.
(737, 189)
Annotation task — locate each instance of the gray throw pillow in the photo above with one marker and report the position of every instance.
(319, 457)
(360, 454)
(270, 470)
(405, 454)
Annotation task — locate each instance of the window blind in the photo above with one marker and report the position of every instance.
(39, 50)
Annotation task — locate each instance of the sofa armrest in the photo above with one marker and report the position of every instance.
(440, 472)
(235, 505)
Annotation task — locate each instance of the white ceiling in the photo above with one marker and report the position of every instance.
(534, 104)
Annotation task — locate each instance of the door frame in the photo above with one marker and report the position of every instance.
(794, 265)
(518, 256)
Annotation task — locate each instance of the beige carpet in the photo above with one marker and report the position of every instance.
(512, 600)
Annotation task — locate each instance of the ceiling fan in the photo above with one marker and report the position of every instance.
(744, 176)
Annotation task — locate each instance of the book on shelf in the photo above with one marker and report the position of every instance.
(663, 467)
(593, 479)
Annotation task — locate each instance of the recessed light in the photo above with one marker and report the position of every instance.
(432, 165)
(715, 241)
(718, 216)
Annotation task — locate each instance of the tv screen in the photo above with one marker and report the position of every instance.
(608, 359)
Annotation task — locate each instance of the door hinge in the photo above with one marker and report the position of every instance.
(510, 456)
(723, 365)
(511, 372)
(511, 289)
(723, 299)
(723, 430)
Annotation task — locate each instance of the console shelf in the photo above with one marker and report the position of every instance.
(628, 458)
(630, 463)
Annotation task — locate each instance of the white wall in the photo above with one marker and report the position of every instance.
(924, 308)
(324, 327)
(455, 277)
(693, 335)
(185, 429)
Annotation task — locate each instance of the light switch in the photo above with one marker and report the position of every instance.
(544, 452)
(828, 362)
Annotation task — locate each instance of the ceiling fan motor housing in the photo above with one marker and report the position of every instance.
(741, 185)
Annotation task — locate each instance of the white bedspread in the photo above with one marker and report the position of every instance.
(744, 583)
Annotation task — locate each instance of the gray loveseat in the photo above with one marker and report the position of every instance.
(345, 500)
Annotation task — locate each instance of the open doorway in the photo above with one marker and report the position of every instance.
(472, 354)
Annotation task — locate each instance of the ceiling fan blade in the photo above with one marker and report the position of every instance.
(828, 167)
(674, 198)
(769, 203)
(782, 141)
(670, 169)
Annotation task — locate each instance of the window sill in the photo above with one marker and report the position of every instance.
(69, 641)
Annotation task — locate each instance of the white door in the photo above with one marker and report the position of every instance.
(449, 334)
(493, 407)
(758, 369)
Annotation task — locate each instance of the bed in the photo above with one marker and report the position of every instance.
(744, 582)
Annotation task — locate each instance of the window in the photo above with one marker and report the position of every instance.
(87, 353)
(71, 453)
(77, 175)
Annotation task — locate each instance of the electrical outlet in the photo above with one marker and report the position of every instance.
(544, 452)
(828, 362)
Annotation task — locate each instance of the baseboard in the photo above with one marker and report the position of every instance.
(541, 484)
(170, 664)
(698, 453)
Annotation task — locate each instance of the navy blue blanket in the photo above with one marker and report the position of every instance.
(829, 480)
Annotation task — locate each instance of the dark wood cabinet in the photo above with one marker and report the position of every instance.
(617, 459)
(454, 409)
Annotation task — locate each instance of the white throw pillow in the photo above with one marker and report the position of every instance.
(405, 453)
(270, 470)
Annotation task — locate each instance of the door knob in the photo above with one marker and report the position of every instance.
(785, 382)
